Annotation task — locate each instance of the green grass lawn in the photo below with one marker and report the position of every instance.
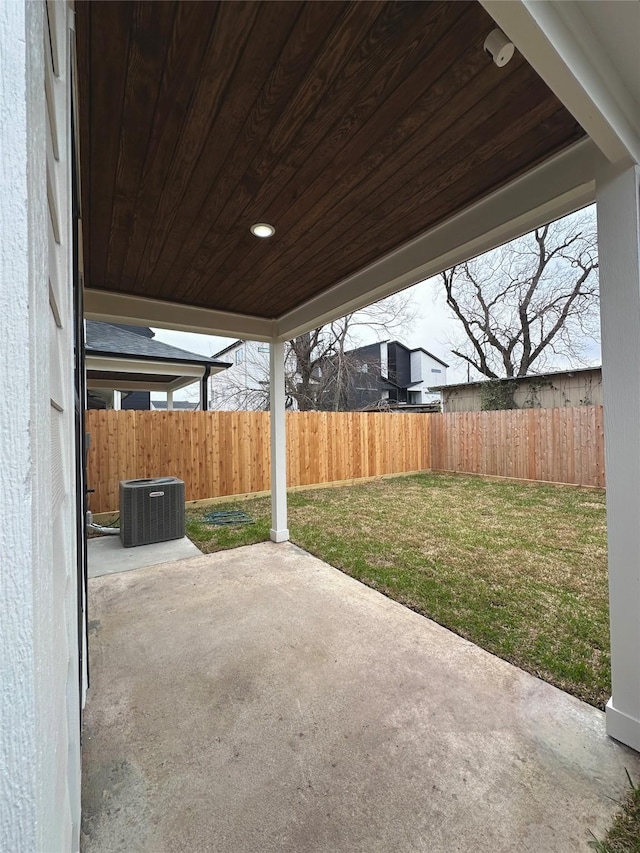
(624, 834)
(519, 569)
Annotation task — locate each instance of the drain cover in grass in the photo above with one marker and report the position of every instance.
(232, 517)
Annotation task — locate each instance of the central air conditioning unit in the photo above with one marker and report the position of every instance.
(151, 511)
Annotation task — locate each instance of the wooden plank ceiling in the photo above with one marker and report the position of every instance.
(350, 127)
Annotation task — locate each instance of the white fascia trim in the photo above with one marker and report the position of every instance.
(561, 185)
(131, 365)
(559, 44)
(122, 308)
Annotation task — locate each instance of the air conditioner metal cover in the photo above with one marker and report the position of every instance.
(151, 510)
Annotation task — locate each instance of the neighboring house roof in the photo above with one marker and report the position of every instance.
(128, 358)
(227, 349)
(431, 355)
(111, 339)
(529, 376)
(404, 346)
(145, 331)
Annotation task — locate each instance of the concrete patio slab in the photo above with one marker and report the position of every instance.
(258, 700)
(107, 556)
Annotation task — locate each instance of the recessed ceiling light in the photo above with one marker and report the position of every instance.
(262, 229)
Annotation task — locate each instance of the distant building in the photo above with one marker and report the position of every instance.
(124, 364)
(390, 371)
(557, 389)
(245, 382)
(387, 372)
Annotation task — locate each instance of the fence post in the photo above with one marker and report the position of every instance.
(279, 531)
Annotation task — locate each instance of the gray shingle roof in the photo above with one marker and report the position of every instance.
(108, 338)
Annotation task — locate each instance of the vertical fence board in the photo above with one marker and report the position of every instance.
(555, 445)
(227, 453)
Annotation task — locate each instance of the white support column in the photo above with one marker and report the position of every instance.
(619, 249)
(117, 401)
(169, 400)
(279, 531)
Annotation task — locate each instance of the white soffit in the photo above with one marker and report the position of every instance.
(113, 307)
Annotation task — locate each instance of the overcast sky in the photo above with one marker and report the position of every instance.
(433, 330)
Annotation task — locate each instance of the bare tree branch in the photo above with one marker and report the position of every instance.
(321, 371)
(528, 300)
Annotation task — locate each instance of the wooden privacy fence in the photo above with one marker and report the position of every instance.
(227, 453)
(557, 445)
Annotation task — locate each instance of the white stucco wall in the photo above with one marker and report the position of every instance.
(18, 755)
(39, 746)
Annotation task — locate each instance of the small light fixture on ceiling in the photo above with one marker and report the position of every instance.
(263, 229)
(498, 46)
